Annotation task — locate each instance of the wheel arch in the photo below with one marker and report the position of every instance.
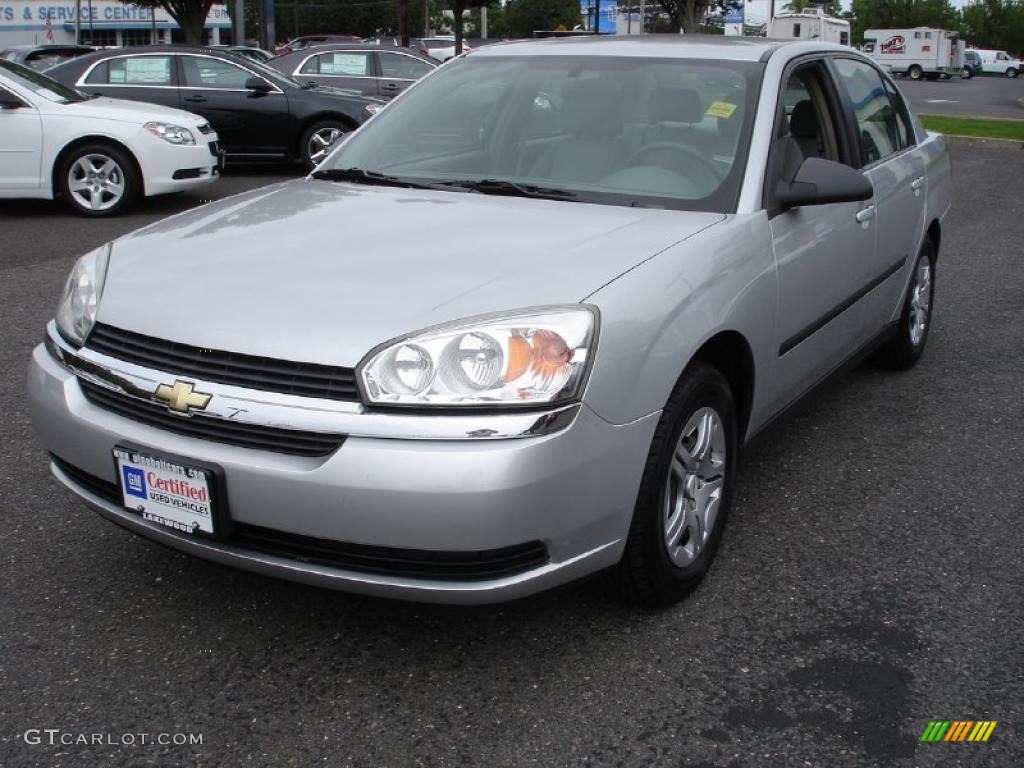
(934, 233)
(74, 144)
(730, 353)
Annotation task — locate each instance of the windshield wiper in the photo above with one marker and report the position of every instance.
(515, 189)
(362, 176)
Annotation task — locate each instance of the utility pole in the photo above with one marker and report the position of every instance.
(483, 21)
(78, 22)
(403, 23)
(426, 18)
(643, 16)
(238, 22)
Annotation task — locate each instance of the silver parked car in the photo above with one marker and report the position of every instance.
(670, 241)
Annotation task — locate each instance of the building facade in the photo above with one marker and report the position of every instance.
(102, 23)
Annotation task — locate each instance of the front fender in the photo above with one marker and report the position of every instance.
(655, 318)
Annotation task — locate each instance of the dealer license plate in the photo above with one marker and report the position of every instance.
(164, 491)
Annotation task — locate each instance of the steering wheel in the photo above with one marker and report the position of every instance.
(702, 162)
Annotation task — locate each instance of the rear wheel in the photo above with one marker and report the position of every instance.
(915, 72)
(99, 180)
(916, 318)
(685, 492)
(1012, 72)
(318, 141)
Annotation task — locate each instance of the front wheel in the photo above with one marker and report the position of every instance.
(684, 494)
(915, 72)
(99, 180)
(916, 318)
(318, 140)
(966, 73)
(1012, 72)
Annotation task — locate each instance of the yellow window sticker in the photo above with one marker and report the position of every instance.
(721, 109)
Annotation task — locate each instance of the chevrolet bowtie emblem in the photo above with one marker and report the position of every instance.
(182, 398)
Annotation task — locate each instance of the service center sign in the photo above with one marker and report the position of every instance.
(12, 14)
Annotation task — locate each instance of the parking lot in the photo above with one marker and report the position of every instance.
(982, 96)
(869, 581)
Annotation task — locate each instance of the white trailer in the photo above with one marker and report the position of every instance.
(999, 63)
(809, 25)
(921, 52)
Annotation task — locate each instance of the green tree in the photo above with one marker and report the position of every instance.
(995, 24)
(190, 15)
(524, 16)
(687, 15)
(832, 7)
(900, 14)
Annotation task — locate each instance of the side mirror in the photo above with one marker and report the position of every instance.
(257, 85)
(10, 101)
(819, 182)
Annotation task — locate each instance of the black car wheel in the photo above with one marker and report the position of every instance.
(966, 73)
(319, 139)
(916, 318)
(685, 492)
(1012, 72)
(915, 72)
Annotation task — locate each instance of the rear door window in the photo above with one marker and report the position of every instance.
(133, 70)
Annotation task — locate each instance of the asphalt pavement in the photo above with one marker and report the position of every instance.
(982, 96)
(869, 582)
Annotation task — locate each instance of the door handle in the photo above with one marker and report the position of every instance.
(865, 214)
(390, 86)
(197, 98)
(917, 183)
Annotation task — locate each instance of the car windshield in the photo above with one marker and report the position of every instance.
(40, 84)
(667, 133)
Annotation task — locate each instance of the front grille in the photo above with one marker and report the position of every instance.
(249, 371)
(390, 561)
(291, 441)
(214, 148)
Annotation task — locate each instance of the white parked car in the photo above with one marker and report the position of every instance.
(97, 154)
(999, 63)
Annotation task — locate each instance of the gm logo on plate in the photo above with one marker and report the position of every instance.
(134, 482)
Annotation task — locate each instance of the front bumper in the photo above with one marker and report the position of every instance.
(574, 490)
(169, 168)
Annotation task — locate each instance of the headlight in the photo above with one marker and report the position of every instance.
(373, 109)
(76, 313)
(530, 357)
(175, 134)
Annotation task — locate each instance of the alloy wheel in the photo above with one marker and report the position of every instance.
(96, 182)
(320, 143)
(920, 301)
(694, 487)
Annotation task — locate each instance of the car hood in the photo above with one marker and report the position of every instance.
(323, 272)
(129, 112)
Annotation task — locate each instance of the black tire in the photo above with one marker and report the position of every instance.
(903, 351)
(915, 72)
(125, 172)
(646, 575)
(1012, 72)
(306, 151)
(966, 73)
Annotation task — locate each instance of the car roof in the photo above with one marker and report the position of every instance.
(715, 47)
(313, 50)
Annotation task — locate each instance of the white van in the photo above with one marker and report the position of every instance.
(810, 25)
(921, 52)
(999, 63)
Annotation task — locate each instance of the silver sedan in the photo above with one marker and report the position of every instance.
(606, 265)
